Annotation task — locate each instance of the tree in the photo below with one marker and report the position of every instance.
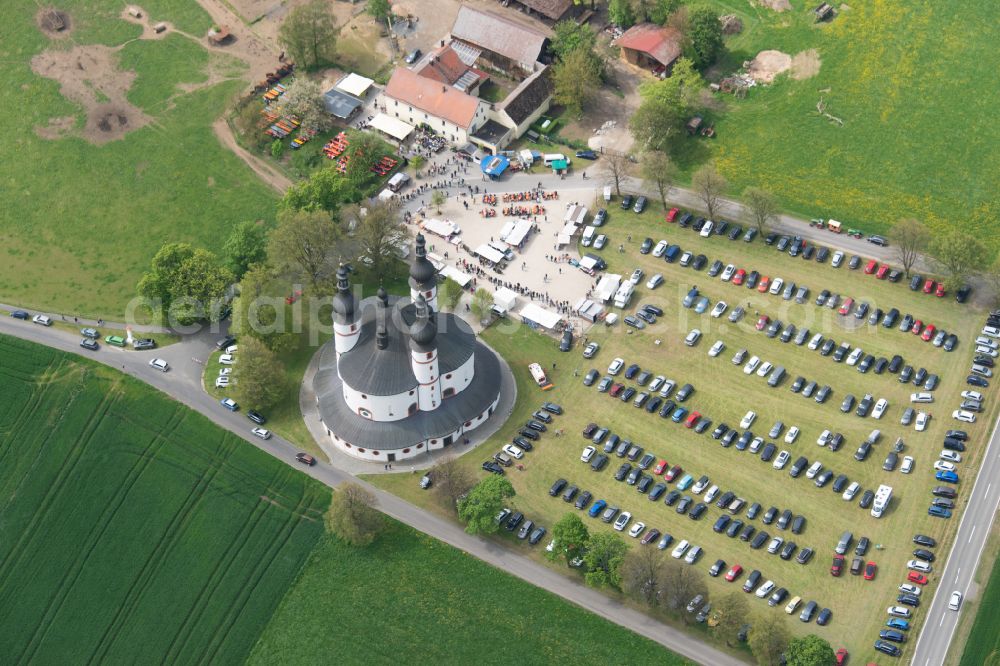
(259, 314)
(480, 507)
(366, 150)
(958, 254)
(450, 481)
(417, 162)
(326, 189)
(378, 10)
(992, 276)
(666, 105)
(910, 238)
(709, 186)
(642, 574)
(379, 232)
(277, 149)
(680, 584)
(482, 301)
(768, 638)
(304, 100)
(246, 245)
(620, 13)
(705, 32)
(603, 559)
(569, 37)
(352, 515)
(189, 284)
(449, 293)
(576, 80)
(259, 378)
(763, 207)
(659, 11)
(570, 536)
(810, 650)
(658, 171)
(616, 168)
(309, 34)
(732, 610)
(305, 243)
(437, 199)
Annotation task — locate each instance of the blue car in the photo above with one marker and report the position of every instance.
(948, 477)
(596, 508)
(939, 512)
(679, 414)
(586, 154)
(686, 482)
(229, 404)
(898, 623)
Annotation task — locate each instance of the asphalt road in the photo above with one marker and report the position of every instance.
(183, 383)
(939, 628)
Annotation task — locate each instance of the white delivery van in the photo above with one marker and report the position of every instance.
(588, 235)
(607, 193)
(549, 158)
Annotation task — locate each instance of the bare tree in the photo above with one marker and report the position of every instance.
(709, 186)
(450, 481)
(763, 207)
(617, 166)
(658, 171)
(910, 238)
(642, 574)
(680, 584)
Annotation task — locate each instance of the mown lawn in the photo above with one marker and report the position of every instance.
(724, 393)
(913, 82)
(132, 530)
(81, 222)
(408, 594)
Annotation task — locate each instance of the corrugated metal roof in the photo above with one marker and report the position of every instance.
(662, 44)
(498, 34)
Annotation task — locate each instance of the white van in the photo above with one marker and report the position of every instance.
(607, 193)
(588, 236)
(553, 157)
(706, 230)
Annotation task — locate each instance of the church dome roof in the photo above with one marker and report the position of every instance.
(422, 271)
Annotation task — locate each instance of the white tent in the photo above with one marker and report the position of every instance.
(607, 286)
(540, 316)
(355, 84)
(394, 127)
(589, 310)
(517, 233)
(436, 261)
(526, 158)
(575, 214)
(564, 239)
(489, 253)
(569, 229)
(385, 195)
(442, 228)
(505, 298)
(507, 227)
(452, 273)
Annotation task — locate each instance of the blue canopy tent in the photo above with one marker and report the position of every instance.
(494, 165)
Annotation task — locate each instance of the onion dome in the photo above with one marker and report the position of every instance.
(423, 330)
(343, 301)
(422, 271)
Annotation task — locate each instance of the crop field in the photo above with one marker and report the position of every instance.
(133, 530)
(724, 393)
(982, 647)
(433, 603)
(84, 215)
(892, 71)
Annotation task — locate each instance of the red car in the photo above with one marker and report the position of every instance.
(765, 283)
(882, 271)
(841, 656)
(928, 333)
(939, 292)
(870, 570)
(691, 420)
(672, 214)
(871, 267)
(918, 326)
(660, 466)
(763, 322)
(616, 390)
(739, 277)
(847, 306)
(734, 573)
(928, 286)
(837, 567)
(672, 474)
(917, 577)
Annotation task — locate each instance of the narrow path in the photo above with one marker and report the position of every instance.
(274, 178)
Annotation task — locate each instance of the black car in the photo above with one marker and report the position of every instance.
(656, 492)
(626, 202)
(586, 154)
(715, 268)
(923, 540)
(515, 519)
(599, 462)
(685, 219)
(734, 232)
(866, 500)
(683, 505)
(924, 554)
(697, 511)
(225, 342)
(684, 393)
(87, 343)
(770, 238)
(566, 342)
(552, 408)
(493, 467)
(414, 55)
(256, 417)
(770, 515)
(720, 430)
(583, 499)
(623, 471)
(887, 648)
(536, 425)
(962, 295)
(804, 555)
(646, 247)
(758, 541)
(767, 453)
(672, 497)
(734, 528)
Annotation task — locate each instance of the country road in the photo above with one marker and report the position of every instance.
(183, 383)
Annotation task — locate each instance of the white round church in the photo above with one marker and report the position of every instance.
(400, 378)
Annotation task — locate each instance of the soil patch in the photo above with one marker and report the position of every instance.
(148, 32)
(89, 76)
(805, 64)
(776, 5)
(53, 23)
(57, 128)
(769, 64)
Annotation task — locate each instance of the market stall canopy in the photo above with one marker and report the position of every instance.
(518, 231)
(540, 316)
(489, 253)
(442, 228)
(505, 298)
(575, 214)
(452, 273)
(355, 84)
(394, 127)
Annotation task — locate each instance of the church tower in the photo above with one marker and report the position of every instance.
(423, 276)
(424, 356)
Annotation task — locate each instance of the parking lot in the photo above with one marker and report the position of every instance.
(724, 393)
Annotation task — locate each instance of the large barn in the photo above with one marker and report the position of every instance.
(400, 378)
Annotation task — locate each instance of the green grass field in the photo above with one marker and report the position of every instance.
(81, 222)
(892, 71)
(724, 393)
(433, 603)
(982, 645)
(133, 530)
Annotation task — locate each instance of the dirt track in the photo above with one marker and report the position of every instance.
(265, 171)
